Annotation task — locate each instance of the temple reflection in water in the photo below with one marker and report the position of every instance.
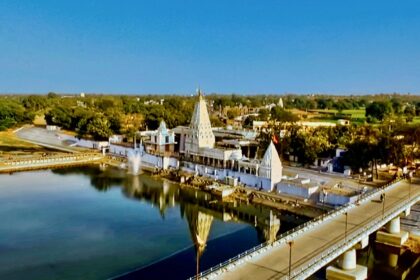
(200, 209)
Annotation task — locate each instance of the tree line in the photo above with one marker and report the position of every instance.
(102, 115)
(366, 146)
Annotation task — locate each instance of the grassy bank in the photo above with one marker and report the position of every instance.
(9, 142)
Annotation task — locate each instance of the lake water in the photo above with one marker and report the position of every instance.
(93, 223)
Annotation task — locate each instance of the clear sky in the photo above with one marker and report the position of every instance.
(222, 46)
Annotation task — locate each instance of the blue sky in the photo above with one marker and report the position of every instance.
(225, 46)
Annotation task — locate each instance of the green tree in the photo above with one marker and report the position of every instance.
(61, 116)
(282, 115)
(99, 128)
(263, 115)
(378, 110)
(410, 112)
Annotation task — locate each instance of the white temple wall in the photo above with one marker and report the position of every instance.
(296, 190)
(335, 199)
(151, 160)
(159, 162)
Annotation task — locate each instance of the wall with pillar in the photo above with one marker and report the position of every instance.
(347, 268)
(392, 233)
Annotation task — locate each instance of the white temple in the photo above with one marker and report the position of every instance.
(270, 166)
(201, 134)
(162, 141)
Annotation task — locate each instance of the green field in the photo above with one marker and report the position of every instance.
(356, 113)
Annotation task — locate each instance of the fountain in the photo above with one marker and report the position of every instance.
(134, 160)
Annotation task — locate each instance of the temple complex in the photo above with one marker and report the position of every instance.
(200, 153)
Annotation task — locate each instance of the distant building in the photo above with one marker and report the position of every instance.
(116, 139)
(153, 102)
(343, 122)
(81, 104)
(52, 127)
(261, 125)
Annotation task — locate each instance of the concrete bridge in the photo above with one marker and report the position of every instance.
(40, 162)
(299, 253)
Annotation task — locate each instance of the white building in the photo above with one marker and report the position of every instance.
(162, 141)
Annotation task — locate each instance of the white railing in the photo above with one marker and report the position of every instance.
(48, 160)
(345, 241)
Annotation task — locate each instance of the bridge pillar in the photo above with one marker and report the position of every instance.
(393, 226)
(347, 268)
(393, 234)
(347, 261)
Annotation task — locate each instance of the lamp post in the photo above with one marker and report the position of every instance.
(345, 230)
(410, 176)
(383, 205)
(290, 257)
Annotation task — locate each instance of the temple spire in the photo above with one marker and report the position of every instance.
(201, 132)
(199, 93)
(271, 166)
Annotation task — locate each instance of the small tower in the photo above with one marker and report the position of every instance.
(280, 103)
(201, 132)
(271, 166)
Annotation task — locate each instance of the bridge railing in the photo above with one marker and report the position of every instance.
(288, 235)
(345, 241)
(51, 159)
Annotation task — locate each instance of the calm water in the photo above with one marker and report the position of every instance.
(88, 223)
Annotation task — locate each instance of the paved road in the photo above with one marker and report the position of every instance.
(61, 141)
(273, 264)
(42, 137)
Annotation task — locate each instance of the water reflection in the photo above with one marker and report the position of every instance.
(199, 224)
(200, 209)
